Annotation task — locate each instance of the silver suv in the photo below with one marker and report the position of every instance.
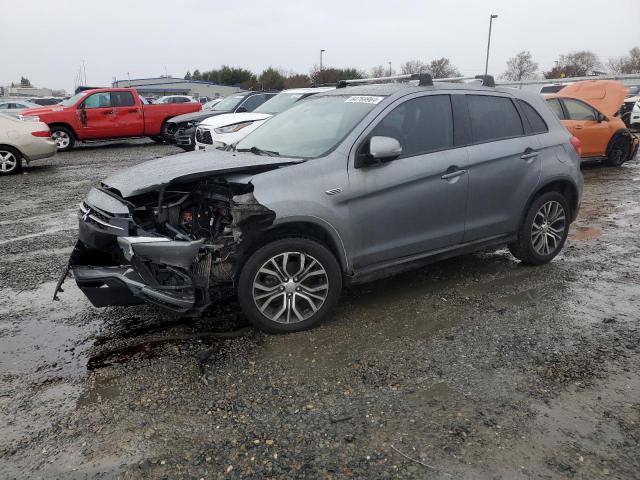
(347, 186)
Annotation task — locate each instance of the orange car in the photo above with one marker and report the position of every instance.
(588, 109)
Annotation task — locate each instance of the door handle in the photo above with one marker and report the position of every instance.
(528, 153)
(578, 127)
(133, 110)
(449, 176)
(108, 113)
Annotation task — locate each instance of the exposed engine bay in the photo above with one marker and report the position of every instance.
(181, 244)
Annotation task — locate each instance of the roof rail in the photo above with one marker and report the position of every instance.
(424, 80)
(487, 80)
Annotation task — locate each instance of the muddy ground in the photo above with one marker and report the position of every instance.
(473, 368)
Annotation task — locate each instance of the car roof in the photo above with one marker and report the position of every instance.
(388, 89)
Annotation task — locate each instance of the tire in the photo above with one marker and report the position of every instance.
(63, 137)
(618, 152)
(275, 301)
(157, 139)
(533, 252)
(10, 160)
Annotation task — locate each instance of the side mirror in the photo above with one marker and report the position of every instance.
(381, 149)
(241, 110)
(601, 118)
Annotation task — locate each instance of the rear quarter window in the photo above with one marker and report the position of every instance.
(493, 118)
(532, 118)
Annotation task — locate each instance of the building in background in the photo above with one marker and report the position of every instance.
(160, 86)
(17, 91)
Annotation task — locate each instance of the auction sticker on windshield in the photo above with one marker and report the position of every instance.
(364, 99)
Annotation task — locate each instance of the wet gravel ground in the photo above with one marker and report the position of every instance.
(473, 368)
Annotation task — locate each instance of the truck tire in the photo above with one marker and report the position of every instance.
(63, 137)
(10, 160)
(289, 285)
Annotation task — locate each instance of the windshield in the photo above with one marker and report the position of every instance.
(279, 103)
(229, 103)
(311, 128)
(69, 102)
(210, 104)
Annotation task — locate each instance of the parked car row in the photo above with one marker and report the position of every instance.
(347, 185)
(181, 129)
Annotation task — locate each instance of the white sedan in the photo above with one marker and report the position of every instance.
(228, 129)
(23, 140)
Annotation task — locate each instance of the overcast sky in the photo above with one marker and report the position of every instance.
(46, 41)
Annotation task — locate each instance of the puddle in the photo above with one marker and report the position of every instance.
(584, 233)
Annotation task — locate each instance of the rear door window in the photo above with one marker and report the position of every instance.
(578, 110)
(493, 118)
(535, 122)
(554, 105)
(421, 125)
(122, 99)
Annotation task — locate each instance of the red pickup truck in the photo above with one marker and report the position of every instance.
(104, 113)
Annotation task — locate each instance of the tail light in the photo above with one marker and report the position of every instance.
(41, 133)
(577, 145)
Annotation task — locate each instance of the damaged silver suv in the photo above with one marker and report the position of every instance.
(347, 186)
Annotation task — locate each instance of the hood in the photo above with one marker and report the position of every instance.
(195, 116)
(233, 118)
(43, 110)
(606, 96)
(189, 166)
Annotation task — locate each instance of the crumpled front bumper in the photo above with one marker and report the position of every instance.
(159, 271)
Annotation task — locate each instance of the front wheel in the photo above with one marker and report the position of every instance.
(543, 231)
(289, 285)
(618, 153)
(63, 138)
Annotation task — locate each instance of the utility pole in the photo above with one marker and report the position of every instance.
(321, 52)
(389, 68)
(486, 65)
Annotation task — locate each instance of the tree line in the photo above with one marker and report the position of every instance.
(574, 64)
(278, 79)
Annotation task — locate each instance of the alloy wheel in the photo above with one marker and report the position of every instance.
(8, 161)
(290, 287)
(548, 228)
(61, 139)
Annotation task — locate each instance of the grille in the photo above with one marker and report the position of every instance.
(171, 128)
(204, 136)
(96, 217)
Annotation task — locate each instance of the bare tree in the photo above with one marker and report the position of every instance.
(379, 71)
(626, 65)
(443, 68)
(414, 66)
(576, 64)
(520, 67)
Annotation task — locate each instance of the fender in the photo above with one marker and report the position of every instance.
(550, 181)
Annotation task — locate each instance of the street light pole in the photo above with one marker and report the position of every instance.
(389, 68)
(321, 52)
(486, 66)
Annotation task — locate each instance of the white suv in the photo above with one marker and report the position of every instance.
(228, 129)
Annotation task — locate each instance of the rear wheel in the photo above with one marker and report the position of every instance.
(618, 153)
(543, 231)
(63, 138)
(289, 285)
(10, 160)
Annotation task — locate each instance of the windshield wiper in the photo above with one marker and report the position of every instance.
(258, 151)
